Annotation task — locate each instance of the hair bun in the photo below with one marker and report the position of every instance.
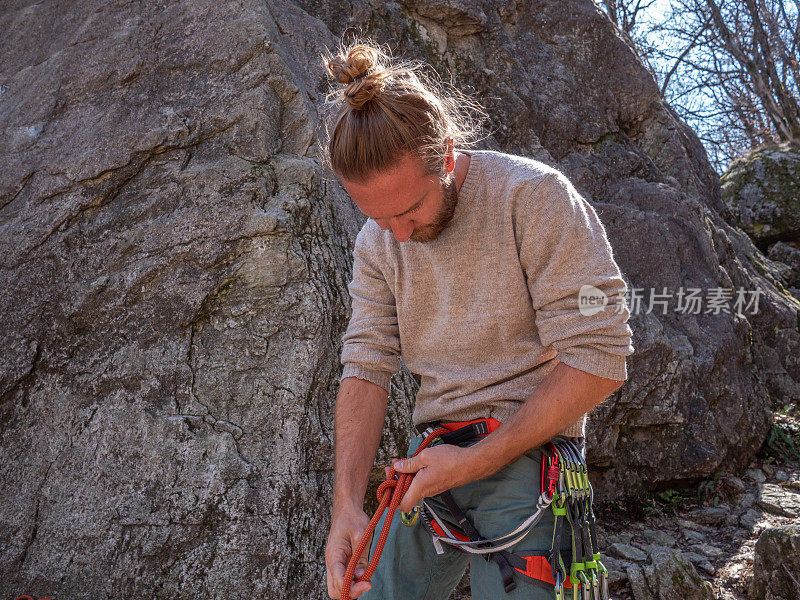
(360, 65)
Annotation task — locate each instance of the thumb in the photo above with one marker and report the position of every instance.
(387, 469)
(407, 465)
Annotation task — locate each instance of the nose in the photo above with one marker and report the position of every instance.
(401, 229)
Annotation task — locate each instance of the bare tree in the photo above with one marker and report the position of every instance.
(730, 69)
(624, 13)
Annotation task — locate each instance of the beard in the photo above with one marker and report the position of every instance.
(429, 232)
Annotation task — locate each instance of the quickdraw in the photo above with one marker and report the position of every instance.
(566, 491)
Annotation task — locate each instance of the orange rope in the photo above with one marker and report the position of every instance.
(390, 494)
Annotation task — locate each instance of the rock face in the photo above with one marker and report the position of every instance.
(762, 190)
(174, 266)
(174, 271)
(669, 575)
(789, 256)
(776, 567)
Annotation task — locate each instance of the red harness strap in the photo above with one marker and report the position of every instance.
(438, 529)
(538, 567)
(491, 423)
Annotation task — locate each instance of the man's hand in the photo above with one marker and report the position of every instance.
(346, 529)
(437, 469)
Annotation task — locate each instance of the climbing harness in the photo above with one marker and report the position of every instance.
(566, 491)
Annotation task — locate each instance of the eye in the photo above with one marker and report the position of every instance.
(419, 206)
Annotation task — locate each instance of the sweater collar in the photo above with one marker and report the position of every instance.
(470, 181)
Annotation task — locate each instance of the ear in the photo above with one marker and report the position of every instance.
(449, 161)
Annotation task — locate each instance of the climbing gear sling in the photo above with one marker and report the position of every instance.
(565, 489)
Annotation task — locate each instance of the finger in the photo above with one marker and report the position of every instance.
(359, 588)
(363, 560)
(407, 465)
(337, 572)
(410, 499)
(387, 470)
(339, 568)
(329, 580)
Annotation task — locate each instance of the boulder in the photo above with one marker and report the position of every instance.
(174, 265)
(786, 261)
(778, 500)
(762, 190)
(668, 575)
(776, 565)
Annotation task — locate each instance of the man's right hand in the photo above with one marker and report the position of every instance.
(347, 527)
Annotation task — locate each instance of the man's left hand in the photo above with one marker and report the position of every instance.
(437, 469)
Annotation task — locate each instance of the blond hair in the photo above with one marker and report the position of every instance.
(388, 108)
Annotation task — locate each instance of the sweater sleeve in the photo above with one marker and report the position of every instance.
(371, 343)
(575, 285)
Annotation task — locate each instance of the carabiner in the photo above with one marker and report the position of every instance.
(409, 519)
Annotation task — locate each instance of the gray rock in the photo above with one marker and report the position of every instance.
(781, 476)
(638, 583)
(627, 551)
(746, 500)
(734, 484)
(756, 475)
(708, 550)
(668, 575)
(700, 561)
(691, 535)
(617, 570)
(662, 538)
(710, 515)
(619, 538)
(778, 500)
(692, 525)
(762, 190)
(787, 259)
(776, 564)
(750, 519)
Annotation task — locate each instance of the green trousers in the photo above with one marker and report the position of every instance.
(410, 568)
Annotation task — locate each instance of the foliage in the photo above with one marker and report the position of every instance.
(709, 491)
(645, 505)
(670, 500)
(783, 440)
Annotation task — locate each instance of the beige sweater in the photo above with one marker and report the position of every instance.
(483, 311)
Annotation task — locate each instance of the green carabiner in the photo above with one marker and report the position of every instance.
(576, 574)
(409, 519)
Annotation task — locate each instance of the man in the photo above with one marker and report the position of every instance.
(477, 273)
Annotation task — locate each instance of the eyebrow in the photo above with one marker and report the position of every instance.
(408, 210)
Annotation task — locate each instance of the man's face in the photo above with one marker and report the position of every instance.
(413, 205)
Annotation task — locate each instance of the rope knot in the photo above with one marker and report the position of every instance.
(388, 487)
